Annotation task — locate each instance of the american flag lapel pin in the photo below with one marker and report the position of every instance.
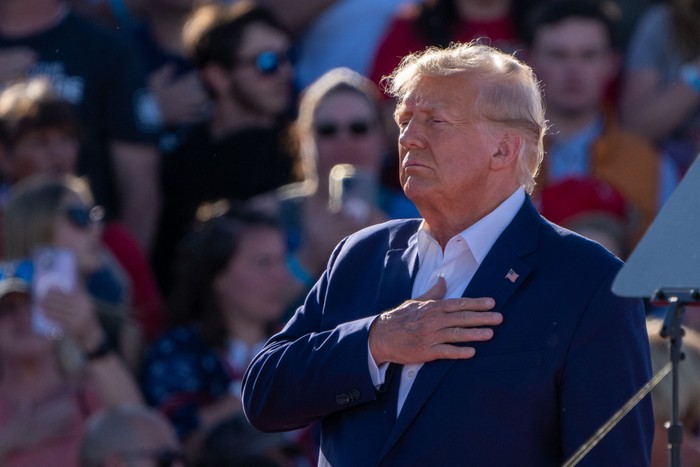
(512, 276)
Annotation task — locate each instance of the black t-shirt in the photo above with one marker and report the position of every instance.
(96, 70)
(239, 166)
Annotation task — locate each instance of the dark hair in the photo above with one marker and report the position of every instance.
(213, 33)
(33, 105)
(547, 13)
(438, 20)
(202, 255)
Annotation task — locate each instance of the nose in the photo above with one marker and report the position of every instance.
(410, 136)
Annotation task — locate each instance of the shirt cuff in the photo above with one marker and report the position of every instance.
(378, 373)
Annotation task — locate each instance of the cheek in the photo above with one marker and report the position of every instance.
(29, 162)
(63, 236)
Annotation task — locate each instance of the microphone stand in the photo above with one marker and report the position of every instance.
(676, 301)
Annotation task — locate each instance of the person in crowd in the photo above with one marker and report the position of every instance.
(235, 443)
(59, 212)
(570, 47)
(441, 341)
(243, 57)
(99, 74)
(591, 208)
(660, 96)
(339, 122)
(227, 299)
(157, 35)
(130, 435)
(345, 34)
(48, 386)
(688, 396)
(439, 22)
(40, 134)
(296, 15)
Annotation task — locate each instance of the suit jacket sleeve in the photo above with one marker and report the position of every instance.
(310, 369)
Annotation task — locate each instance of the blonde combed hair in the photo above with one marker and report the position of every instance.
(508, 93)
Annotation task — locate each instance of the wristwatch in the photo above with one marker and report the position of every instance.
(102, 349)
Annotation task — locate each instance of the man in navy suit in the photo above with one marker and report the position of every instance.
(481, 335)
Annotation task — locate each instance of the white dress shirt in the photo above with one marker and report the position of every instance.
(457, 264)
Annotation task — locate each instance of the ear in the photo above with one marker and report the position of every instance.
(216, 78)
(506, 154)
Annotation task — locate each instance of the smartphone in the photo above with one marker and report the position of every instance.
(352, 190)
(53, 268)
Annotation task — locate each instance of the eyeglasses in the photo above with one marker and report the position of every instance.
(82, 216)
(356, 128)
(269, 61)
(163, 457)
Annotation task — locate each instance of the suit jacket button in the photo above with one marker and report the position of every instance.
(342, 399)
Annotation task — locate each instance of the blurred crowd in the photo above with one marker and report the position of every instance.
(199, 160)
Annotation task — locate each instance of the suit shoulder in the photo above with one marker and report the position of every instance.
(395, 232)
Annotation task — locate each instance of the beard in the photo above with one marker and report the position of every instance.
(252, 103)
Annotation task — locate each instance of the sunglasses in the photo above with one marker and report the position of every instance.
(356, 128)
(82, 216)
(163, 457)
(269, 61)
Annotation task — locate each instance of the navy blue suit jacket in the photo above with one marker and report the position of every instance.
(568, 354)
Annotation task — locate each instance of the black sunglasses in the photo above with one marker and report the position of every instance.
(82, 216)
(163, 457)
(269, 61)
(356, 128)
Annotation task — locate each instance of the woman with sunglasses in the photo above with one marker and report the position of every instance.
(40, 134)
(58, 211)
(50, 384)
(227, 300)
(339, 124)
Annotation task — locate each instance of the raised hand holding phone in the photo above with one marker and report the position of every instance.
(53, 268)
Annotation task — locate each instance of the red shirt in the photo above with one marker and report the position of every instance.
(402, 38)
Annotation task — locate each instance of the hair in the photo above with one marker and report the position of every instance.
(549, 13)
(202, 255)
(30, 213)
(508, 93)
(34, 105)
(685, 18)
(214, 33)
(438, 20)
(335, 81)
(115, 430)
(688, 375)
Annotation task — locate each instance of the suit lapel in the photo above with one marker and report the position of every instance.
(396, 282)
(493, 279)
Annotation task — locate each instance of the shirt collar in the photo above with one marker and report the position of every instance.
(483, 234)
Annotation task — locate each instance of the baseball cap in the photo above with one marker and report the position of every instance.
(15, 276)
(564, 201)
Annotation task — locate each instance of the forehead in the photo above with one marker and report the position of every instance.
(453, 94)
(261, 36)
(572, 32)
(343, 102)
